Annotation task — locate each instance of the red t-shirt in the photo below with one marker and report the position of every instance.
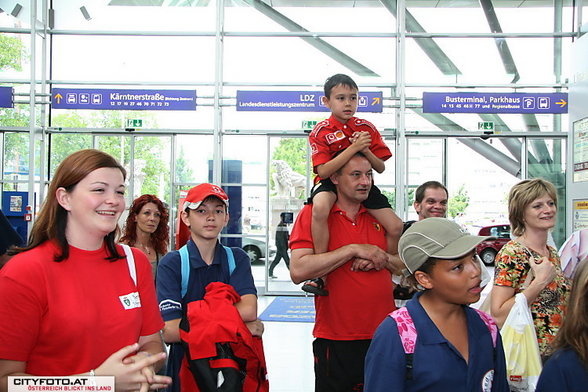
(331, 136)
(358, 301)
(65, 318)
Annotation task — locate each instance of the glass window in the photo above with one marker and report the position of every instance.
(152, 160)
(478, 180)
(193, 158)
(551, 167)
(155, 59)
(129, 15)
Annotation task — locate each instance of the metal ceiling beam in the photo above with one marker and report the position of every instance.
(316, 42)
(503, 49)
(481, 147)
(428, 45)
(513, 145)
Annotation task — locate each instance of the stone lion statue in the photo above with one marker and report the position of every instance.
(288, 183)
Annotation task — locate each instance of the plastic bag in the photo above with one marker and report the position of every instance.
(523, 361)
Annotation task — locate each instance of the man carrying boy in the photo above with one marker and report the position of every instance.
(359, 279)
(333, 142)
(205, 212)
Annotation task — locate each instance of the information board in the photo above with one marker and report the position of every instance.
(525, 103)
(299, 101)
(117, 99)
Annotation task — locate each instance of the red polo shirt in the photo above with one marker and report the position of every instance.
(358, 301)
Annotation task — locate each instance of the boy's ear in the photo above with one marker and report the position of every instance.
(226, 219)
(325, 101)
(424, 279)
(184, 216)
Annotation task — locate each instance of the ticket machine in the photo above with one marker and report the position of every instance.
(16, 208)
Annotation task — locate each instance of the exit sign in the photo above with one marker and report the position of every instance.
(309, 124)
(137, 123)
(486, 125)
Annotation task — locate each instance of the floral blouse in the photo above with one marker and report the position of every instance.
(550, 306)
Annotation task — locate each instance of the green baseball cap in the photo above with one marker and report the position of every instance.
(439, 238)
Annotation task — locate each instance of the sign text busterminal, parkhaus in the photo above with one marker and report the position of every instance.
(299, 101)
(526, 103)
(118, 99)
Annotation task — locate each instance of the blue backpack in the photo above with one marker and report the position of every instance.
(185, 270)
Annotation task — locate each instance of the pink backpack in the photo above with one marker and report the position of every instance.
(408, 333)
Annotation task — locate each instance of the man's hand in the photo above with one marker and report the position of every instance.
(369, 257)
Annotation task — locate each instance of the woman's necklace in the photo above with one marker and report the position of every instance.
(145, 248)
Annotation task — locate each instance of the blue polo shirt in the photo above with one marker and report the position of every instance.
(437, 365)
(169, 286)
(563, 372)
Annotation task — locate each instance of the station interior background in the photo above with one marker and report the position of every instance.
(217, 48)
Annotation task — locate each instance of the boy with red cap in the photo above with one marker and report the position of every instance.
(205, 212)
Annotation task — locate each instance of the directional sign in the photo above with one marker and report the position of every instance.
(486, 125)
(299, 101)
(6, 97)
(108, 99)
(495, 103)
(134, 123)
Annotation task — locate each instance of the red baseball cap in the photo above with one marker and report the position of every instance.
(199, 193)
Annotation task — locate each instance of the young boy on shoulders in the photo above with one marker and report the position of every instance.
(437, 342)
(333, 142)
(205, 212)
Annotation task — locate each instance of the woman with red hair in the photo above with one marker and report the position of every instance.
(147, 228)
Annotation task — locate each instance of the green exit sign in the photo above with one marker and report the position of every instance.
(486, 125)
(309, 124)
(137, 123)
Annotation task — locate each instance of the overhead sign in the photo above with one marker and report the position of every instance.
(134, 123)
(109, 99)
(526, 103)
(486, 125)
(299, 101)
(6, 97)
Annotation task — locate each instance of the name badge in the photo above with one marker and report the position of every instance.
(130, 301)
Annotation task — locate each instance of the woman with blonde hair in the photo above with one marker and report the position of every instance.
(528, 265)
(147, 228)
(567, 369)
(72, 302)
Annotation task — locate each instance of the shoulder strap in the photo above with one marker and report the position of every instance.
(406, 329)
(230, 259)
(408, 336)
(185, 268)
(130, 262)
(490, 323)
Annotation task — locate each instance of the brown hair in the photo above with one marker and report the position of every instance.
(523, 194)
(51, 222)
(160, 238)
(573, 333)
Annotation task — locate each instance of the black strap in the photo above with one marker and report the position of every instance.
(409, 358)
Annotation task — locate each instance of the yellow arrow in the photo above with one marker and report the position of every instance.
(562, 103)
(58, 97)
(375, 101)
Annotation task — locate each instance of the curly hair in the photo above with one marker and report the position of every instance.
(160, 238)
